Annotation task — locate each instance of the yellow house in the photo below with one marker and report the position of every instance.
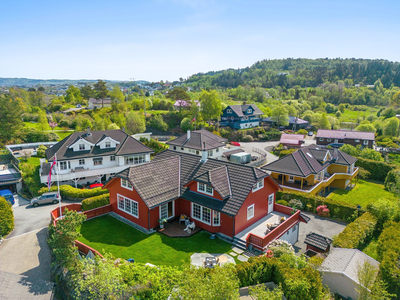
(313, 169)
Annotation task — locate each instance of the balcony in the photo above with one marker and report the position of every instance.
(259, 237)
(314, 189)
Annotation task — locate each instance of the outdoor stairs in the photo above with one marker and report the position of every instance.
(239, 243)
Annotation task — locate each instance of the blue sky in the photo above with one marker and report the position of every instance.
(154, 40)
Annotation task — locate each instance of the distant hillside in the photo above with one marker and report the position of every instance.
(303, 72)
(29, 82)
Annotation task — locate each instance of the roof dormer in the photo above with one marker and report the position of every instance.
(81, 144)
(249, 111)
(107, 143)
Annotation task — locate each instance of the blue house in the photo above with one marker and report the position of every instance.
(241, 116)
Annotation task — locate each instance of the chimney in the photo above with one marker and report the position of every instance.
(204, 154)
(123, 129)
(188, 135)
(88, 131)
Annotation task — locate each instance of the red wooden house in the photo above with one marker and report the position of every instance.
(232, 200)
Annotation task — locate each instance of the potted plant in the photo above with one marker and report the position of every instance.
(162, 221)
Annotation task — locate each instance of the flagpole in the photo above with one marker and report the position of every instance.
(58, 183)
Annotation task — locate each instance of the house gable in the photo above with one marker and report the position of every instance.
(107, 142)
(79, 143)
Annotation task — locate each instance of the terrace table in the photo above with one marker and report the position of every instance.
(210, 262)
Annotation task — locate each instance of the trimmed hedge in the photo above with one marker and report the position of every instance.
(337, 209)
(379, 170)
(282, 202)
(6, 217)
(388, 250)
(95, 202)
(71, 192)
(357, 233)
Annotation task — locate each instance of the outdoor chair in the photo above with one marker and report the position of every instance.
(182, 218)
(191, 226)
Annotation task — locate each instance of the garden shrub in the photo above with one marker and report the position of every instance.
(256, 270)
(363, 174)
(41, 151)
(388, 250)
(377, 169)
(153, 144)
(6, 217)
(286, 152)
(71, 192)
(95, 202)
(302, 131)
(338, 209)
(282, 202)
(392, 181)
(357, 233)
(247, 138)
(295, 203)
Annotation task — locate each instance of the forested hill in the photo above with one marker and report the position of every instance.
(303, 72)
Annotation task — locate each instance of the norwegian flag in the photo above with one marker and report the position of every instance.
(51, 168)
(194, 119)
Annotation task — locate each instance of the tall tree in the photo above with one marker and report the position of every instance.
(101, 91)
(211, 106)
(324, 122)
(87, 92)
(73, 95)
(178, 94)
(280, 115)
(135, 123)
(10, 116)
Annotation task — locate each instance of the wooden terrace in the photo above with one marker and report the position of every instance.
(175, 229)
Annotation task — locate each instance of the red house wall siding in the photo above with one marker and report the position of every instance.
(260, 201)
(115, 188)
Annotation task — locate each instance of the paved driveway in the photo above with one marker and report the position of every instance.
(322, 226)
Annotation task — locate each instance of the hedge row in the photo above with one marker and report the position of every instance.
(378, 169)
(95, 202)
(388, 250)
(6, 217)
(71, 192)
(357, 233)
(337, 209)
(297, 283)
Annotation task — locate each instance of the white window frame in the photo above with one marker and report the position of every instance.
(199, 184)
(82, 148)
(291, 178)
(251, 208)
(328, 140)
(126, 184)
(173, 210)
(121, 205)
(258, 185)
(97, 162)
(112, 158)
(216, 218)
(107, 144)
(217, 150)
(139, 159)
(81, 161)
(365, 142)
(319, 176)
(321, 139)
(229, 111)
(249, 111)
(64, 165)
(202, 214)
(210, 153)
(357, 141)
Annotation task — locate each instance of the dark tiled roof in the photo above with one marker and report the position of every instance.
(199, 140)
(317, 241)
(240, 179)
(240, 110)
(127, 145)
(308, 160)
(345, 134)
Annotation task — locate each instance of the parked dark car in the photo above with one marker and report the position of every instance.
(335, 145)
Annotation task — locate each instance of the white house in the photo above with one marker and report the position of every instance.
(197, 141)
(87, 157)
(340, 270)
(99, 103)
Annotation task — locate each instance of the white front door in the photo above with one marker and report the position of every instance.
(270, 203)
(167, 210)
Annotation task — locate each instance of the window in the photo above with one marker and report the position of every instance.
(128, 205)
(65, 165)
(357, 141)
(134, 160)
(250, 212)
(97, 161)
(217, 150)
(174, 147)
(365, 142)
(81, 146)
(232, 118)
(319, 176)
(217, 218)
(197, 152)
(205, 188)
(229, 111)
(126, 184)
(294, 228)
(321, 139)
(182, 148)
(201, 213)
(291, 178)
(328, 140)
(81, 162)
(108, 145)
(271, 199)
(249, 111)
(259, 185)
(112, 158)
(210, 152)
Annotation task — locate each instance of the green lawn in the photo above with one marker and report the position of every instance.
(352, 115)
(363, 193)
(370, 249)
(108, 235)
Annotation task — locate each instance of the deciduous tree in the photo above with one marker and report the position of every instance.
(135, 123)
(211, 106)
(10, 116)
(280, 115)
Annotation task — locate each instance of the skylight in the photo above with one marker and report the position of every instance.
(309, 154)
